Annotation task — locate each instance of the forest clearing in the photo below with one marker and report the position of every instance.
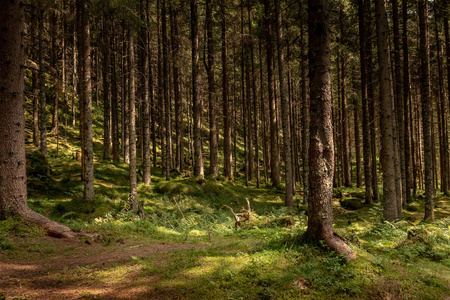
(244, 149)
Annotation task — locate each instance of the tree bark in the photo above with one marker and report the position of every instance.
(285, 111)
(13, 178)
(42, 93)
(132, 118)
(106, 90)
(387, 114)
(227, 115)
(197, 103)
(426, 109)
(86, 100)
(321, 148)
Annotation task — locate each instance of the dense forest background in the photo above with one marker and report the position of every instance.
(206, 122)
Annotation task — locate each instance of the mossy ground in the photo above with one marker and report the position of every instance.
(188, 248)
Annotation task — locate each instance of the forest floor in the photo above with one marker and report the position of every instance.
(186, 246)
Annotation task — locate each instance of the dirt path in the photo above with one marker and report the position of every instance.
(67, 273)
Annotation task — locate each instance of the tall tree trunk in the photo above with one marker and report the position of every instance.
(406, 103)
(387, 114)
(106, 90)
(132, 118)
(13, 178)
(356, 122)
(398, 99)
(371, 99)
(179, 165)
(442, 113)
(255, 100)
(86, 101)
(305, 108)
(274, 147)
(426, 109)
(213, 136)
(167, 107)
(446, 13)
(197, 103)
(320, 206)
(285, 110)
(42, 96)
(114, 102)
(227, 113)
(344, 121)
(144, 70)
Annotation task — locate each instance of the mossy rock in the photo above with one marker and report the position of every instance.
(351, 203)
(359, 195)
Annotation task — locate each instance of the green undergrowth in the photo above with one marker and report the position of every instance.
(263, 258)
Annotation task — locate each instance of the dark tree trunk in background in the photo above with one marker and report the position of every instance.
(446, 13)
(106, 90)
(321, 149)
(213, 135)
(167, 107)
(305, 109)
(197, 103)
(42, 93)
(227, 115)
(144, 71)
(387, 156)
(426, 109)
(285, 111)
(274, 146)
(406, 103)
(179, 160)
(114, 103)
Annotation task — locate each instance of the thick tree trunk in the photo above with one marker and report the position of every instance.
(285, 110)
(387, 114)
(13, 178)
(320, 207)
(197, 103)
(426, 109)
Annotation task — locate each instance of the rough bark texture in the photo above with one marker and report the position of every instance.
(132, 124)
(426, 109)
(167, 106)
(387, 114)
(321, 149)
(13, 178)
(285, 111)
(86, 100)
(144, 66)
